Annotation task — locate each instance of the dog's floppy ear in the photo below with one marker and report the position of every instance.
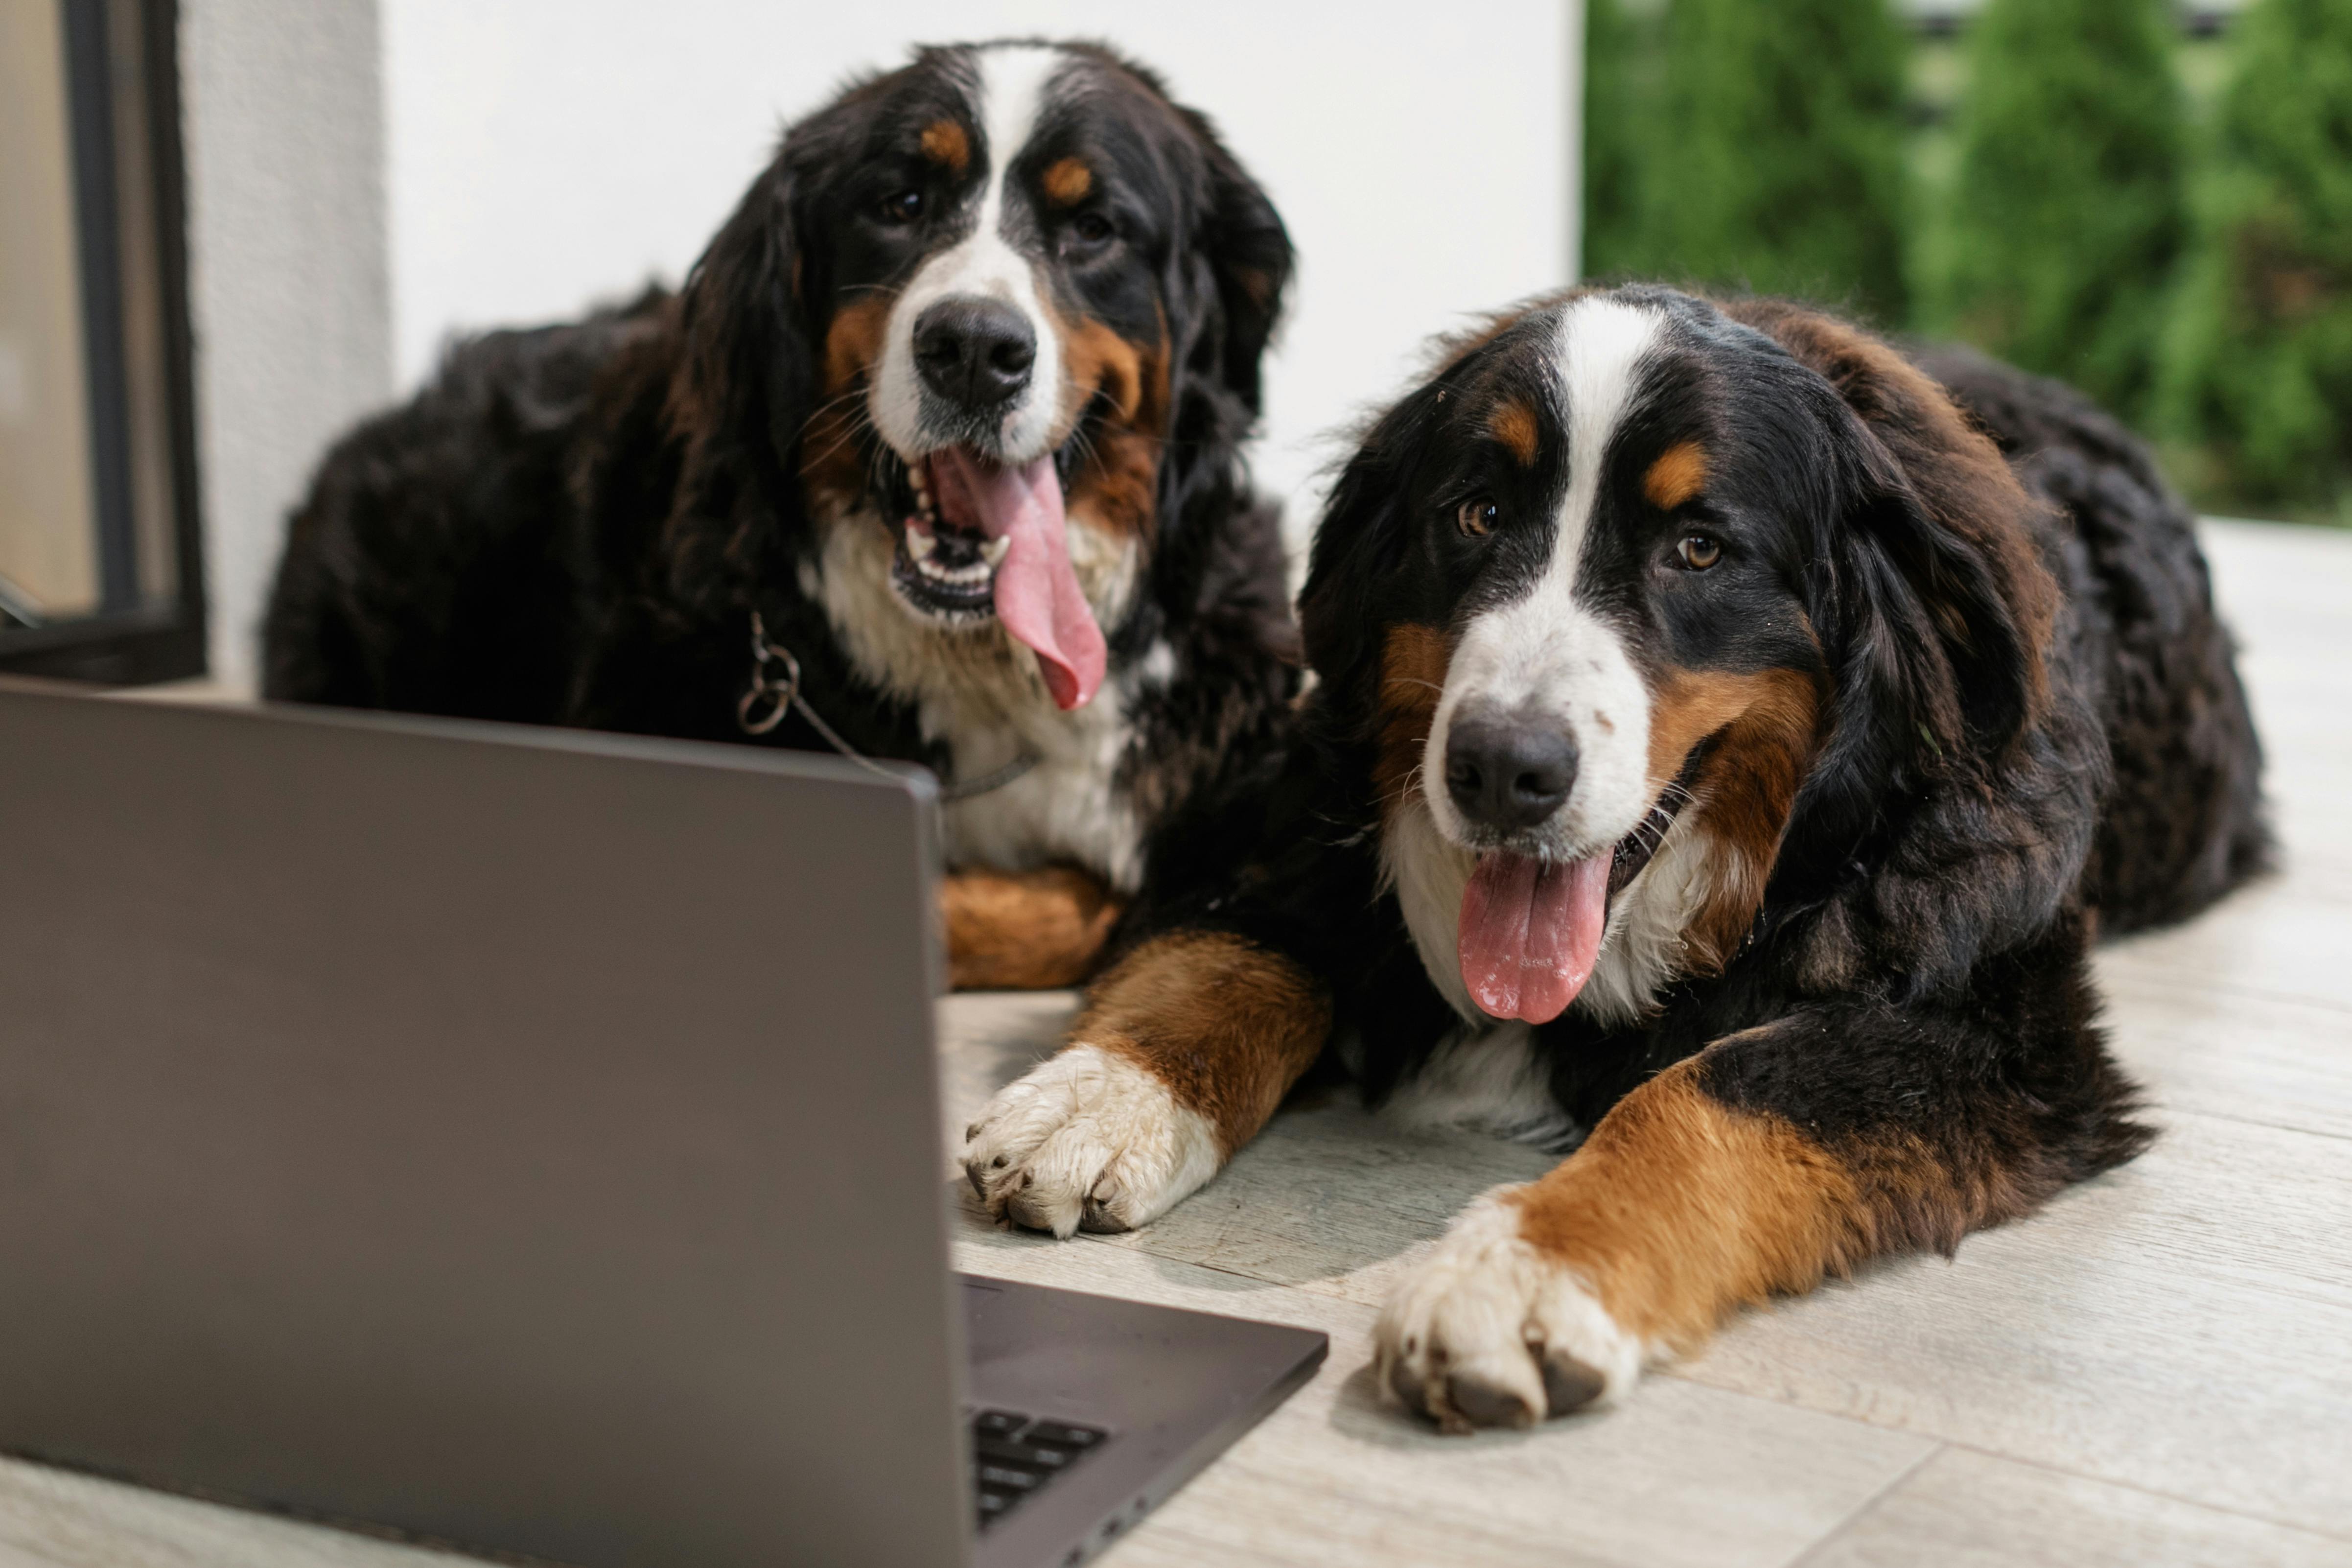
(1248, 257)
(743, 382)
(1249, 254)
(1943, 608)
(1362, 544)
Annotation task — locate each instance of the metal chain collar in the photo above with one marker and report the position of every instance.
(776, 691)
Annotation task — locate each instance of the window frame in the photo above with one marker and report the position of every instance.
(127, 641)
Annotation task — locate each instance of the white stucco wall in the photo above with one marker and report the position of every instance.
(366, 176)
(546, 154)
(290, 279)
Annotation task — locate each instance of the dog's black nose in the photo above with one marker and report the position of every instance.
(1508, 772)
(974, 351)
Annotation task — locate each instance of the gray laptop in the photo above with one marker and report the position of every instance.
(531, 1141)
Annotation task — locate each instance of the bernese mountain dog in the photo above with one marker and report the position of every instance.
(936, 457)
(1718, 760)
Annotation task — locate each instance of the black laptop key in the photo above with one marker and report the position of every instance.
(1014, 1455)
(1007, 1478)
(1019, 1453)
(997, 1422)
(1062, 1435)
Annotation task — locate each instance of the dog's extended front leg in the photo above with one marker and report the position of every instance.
(1184, 1049)
(1771, 1158)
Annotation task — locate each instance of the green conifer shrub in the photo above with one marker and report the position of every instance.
(2068, 214)
(1619, 68)
(1778, 162)
(2258, 362)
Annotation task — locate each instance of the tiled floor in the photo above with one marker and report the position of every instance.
(2158, 1369)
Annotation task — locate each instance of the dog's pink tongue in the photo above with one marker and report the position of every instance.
(1037, 594)
(1530, 931)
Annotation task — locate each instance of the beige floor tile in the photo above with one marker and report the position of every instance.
(1967, 1509)
(2183, 1325)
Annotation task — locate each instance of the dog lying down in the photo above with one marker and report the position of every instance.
(1727, 737)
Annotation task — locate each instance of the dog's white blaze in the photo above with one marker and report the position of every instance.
(1548, 652)
(1013, 81)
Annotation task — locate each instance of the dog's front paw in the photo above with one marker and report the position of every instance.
(1489, 1331)
(1089, 1140)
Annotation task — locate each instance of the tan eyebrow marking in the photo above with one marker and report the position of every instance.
(1068, 180)
(944, 142)
(1512, 423)
(1679, 474)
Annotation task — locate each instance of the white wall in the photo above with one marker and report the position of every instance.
(288, 285)
(545, 153)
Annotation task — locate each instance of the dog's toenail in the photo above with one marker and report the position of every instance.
(1568, 1383)
(1487, 1405)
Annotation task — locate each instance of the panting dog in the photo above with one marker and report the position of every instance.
(938, 450)
(1720, 758)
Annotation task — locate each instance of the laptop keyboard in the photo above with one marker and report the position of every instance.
(1016, 1457)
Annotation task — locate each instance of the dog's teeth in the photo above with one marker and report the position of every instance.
(920, 544)
(994, 551)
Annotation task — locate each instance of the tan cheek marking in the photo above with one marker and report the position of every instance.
(831, 464)
(945, 144)
(1676, 478)
(1690, 705)
(1118, 491)
(1068, 180)
(1512, 423)
(1024, 930)
(1227, 1025)
(1413, 661)
(1769, 727)
(853, 343)
(1098, 360)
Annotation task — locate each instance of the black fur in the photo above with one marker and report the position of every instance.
(2182, 824)
(574, 525)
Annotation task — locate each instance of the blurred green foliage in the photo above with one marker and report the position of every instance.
(1621, 61)
(2082, 187)
(2067, 211)
(2258, 372)
(1767, 153)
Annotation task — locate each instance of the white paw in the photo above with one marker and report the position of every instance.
(1486, 1332)
(1089, 1139)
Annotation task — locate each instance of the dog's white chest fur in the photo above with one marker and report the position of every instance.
(979, 693)
(1064, 808)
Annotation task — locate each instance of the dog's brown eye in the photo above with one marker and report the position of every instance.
(901, 207)
(1699, 551)
(1477, 516)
